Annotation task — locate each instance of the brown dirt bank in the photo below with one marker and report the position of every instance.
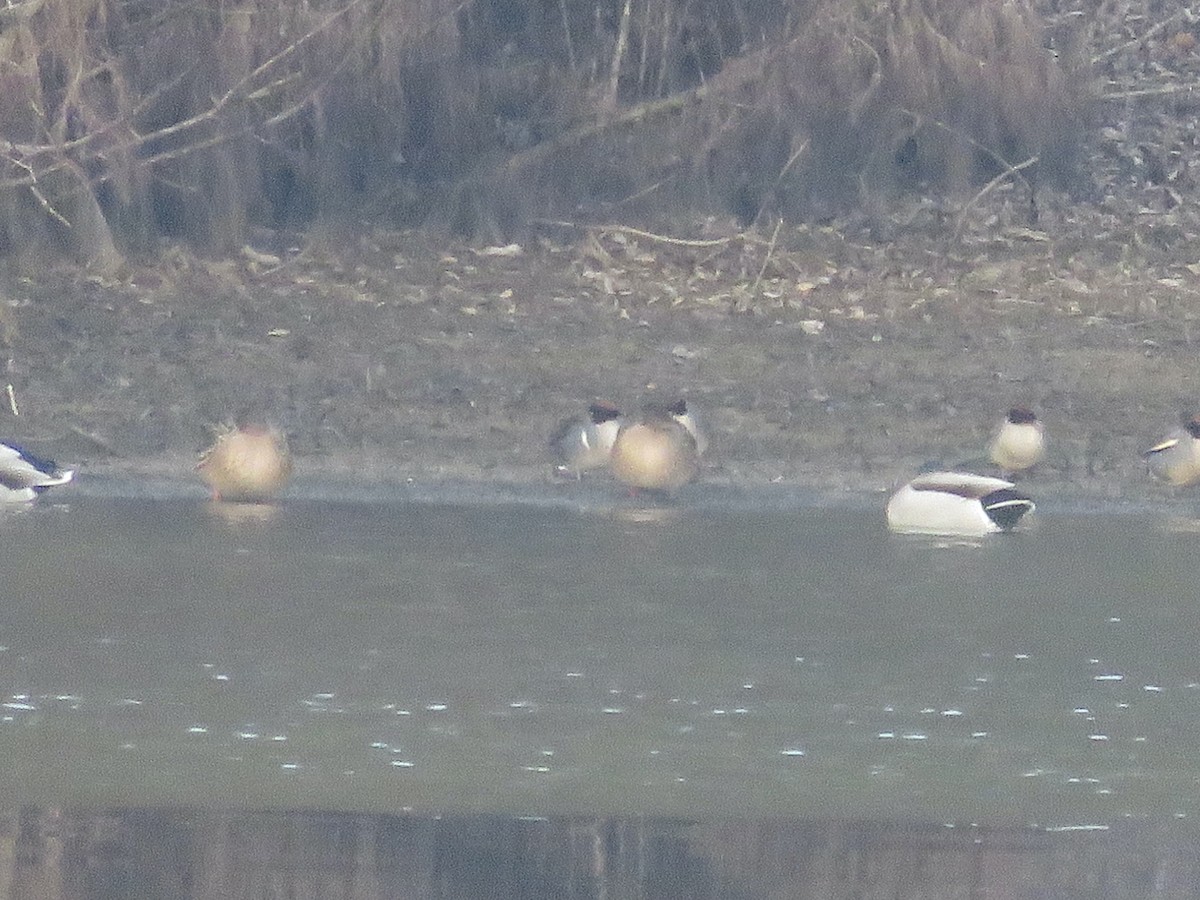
(820, 356)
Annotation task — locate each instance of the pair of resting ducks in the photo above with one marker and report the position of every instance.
(659, 450)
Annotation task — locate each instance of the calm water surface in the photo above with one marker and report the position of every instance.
(608, 661)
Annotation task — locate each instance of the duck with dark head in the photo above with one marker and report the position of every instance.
(1176, 458)
(584, 443)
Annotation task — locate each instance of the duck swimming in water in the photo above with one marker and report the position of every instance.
(23, 476)
(247, 464)
(958, 503)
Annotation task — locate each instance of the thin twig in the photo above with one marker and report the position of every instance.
(638, 195)
(1168, 90)
(1142, 37)
(614, 75)
(566, 22)
(1012, 170)
(637, 232)
(982, 148)
(767, 259)
(779, 180)
(661, 238)
(46, 205)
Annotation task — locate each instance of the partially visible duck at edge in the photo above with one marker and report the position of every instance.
(655, 452)
(1176, 458)
(689, 417)
(956, 503)
(23, 476)
(1019, 442)
(246, 464)
(582, 444)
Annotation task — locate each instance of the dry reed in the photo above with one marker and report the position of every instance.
(124, 121)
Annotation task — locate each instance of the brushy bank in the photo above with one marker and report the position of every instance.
(125, 121)
(875, 227)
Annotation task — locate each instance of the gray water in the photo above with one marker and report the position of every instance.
(543, 660)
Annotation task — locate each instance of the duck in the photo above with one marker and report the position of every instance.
(1176, 458)
(582, 444)
(655, 452)
(689, 417)
(246, 464)
(1019, 442)
(23, 476)
(957, 503)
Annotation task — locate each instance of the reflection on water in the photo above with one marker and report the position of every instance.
(518, 660)
(57, 855)
(238, 514)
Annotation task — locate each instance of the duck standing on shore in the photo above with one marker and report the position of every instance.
(23, 476)
(1176, 458)
(1019, 442)
(246, 464)
(656, 451)
(582, 444)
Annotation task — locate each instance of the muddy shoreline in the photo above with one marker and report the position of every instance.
(823, 362)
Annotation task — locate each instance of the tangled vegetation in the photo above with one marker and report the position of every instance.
(123, 121)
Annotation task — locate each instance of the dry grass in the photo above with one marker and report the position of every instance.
(864, 100)
(127, 120)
